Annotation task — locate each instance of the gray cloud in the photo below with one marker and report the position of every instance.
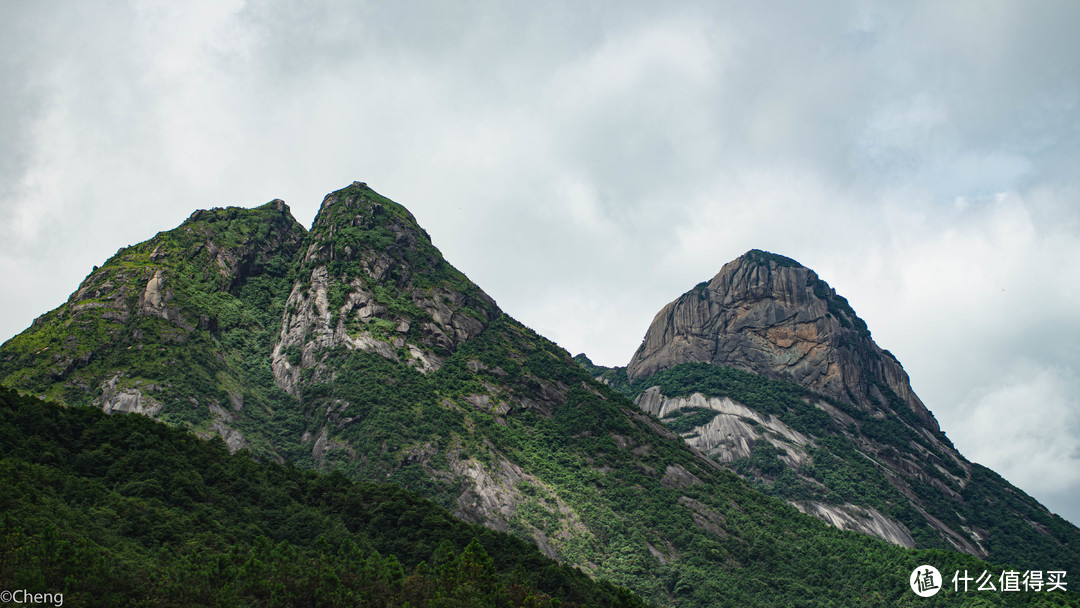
(586, 164)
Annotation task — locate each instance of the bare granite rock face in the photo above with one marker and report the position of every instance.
(770, 315)
(731, 434)
(861, 519)
(116, 399)
(493, 494)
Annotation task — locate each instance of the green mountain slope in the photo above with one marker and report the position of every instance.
(367, 353)
(178, 328)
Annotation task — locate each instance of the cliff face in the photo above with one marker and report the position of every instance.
(769, 315)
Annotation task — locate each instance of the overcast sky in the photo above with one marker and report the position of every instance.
(586, 163)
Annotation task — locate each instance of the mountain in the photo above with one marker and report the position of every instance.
(771, 373)
(355, 347)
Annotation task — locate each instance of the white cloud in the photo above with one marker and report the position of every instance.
(1025, 427)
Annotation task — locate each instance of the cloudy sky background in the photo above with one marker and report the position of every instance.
(586, 163)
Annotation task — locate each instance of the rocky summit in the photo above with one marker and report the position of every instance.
(768, 314)
(370, 280)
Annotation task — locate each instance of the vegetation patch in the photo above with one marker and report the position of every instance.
(688, 419)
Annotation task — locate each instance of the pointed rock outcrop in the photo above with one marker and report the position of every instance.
(371, 280)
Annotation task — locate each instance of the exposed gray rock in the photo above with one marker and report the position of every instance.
(491, 497)
(152, 296)
(234, 440)
(731, 434)
(861, 519)
(547, 396)
(237, 400)
(659, 555)
(156, 299)
(310, 325)
(115, 399)
(319, 448)
(544, 544)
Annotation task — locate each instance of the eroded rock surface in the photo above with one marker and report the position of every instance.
(770, 315)
(117, 399)
(860, 519)
(730, 435)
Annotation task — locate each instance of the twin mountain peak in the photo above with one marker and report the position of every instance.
(355, 346)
